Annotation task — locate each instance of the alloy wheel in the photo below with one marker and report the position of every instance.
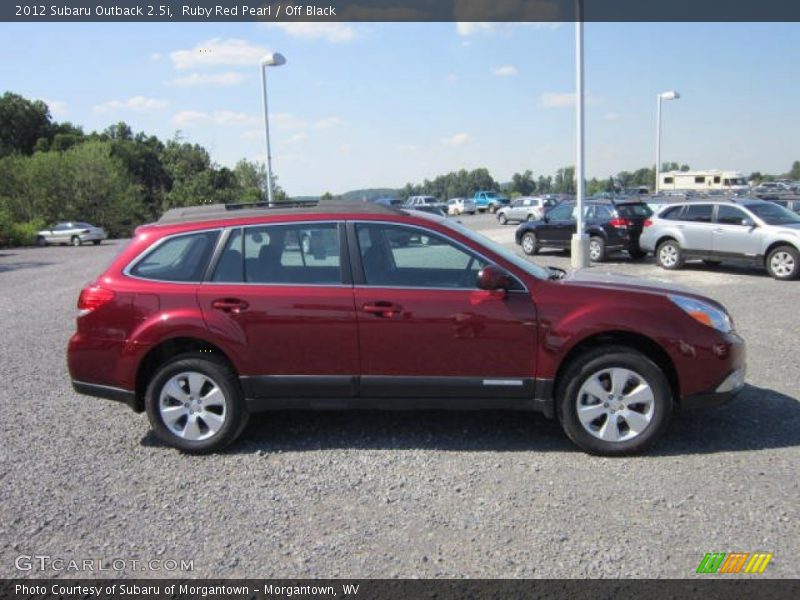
(668, 255)
(192, 406)
(782, 264)
(615, 404)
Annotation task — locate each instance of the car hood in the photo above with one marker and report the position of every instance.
(587, 278)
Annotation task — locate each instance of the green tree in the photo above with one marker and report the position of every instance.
(22, 123)
(523, 183)
(794, 172)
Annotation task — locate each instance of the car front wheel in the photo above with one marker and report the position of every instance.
(529, 244)
(669, 255)
(783, 263)
(76, 241)
(502, 218)
(613, 401)
(196, 404)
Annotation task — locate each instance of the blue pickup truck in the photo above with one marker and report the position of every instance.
(491, 201)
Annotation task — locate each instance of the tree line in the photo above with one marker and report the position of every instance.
(51, 171)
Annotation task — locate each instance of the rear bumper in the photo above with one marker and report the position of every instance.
(92, 237)
(721, 394)
(107, 392)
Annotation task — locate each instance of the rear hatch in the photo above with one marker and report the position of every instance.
(635, 213)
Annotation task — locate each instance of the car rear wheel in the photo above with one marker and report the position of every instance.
(613, 401)
(492, 208)
(530, 245)
(669, 255)
(783, 263)
(96, 242)
(597, 249)
(76, 241)
(502, 218)
(196, 404)
(40, 241)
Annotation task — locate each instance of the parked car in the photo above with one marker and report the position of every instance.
(525, 208)
(460, 206)
(610, 225)
(748, 230)
(792, 204)
(491, 201)
(74, 233)
(212, 314)
(418, 201)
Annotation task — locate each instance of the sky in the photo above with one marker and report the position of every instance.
(382, 104)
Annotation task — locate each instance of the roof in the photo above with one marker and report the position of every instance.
(213, 212)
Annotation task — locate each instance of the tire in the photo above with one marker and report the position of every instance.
(712, 263)
(502, 218)
(669, 255)
(637, 254)
(75, 241)
(530, 217)
(96, 242)
(597, 249)
(41, 242)
(783, 263)
(529, 243)
(229, 408)
(492, 208)
(612, 431)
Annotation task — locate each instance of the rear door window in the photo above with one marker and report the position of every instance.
(182, 258)
(697, 213)
(300, 254)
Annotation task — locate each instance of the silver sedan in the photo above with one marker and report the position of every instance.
(72, 232)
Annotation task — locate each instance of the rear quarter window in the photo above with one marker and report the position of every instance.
(634, 210)
(182, 258)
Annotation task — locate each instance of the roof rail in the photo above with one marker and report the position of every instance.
(210, 212)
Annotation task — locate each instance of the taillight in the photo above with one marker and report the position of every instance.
(647, 223)
(93, 297)
(619, 223)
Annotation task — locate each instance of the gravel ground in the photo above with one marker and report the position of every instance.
(391, 494)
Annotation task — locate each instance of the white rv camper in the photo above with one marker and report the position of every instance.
(703, 181)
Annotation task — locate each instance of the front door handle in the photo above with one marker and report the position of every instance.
(382, 309)
(230, 305)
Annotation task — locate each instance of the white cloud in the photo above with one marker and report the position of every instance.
(57, 108)
(155, 56)
(328, 122)
(458, 139)
(407, 147)
(252, 134)
(565, 99)
(220, 79)
(473, 27)
(218, 52)
(299, 137)
(136, 103)
(286, 121)
(187, 118)
(346, 147)
(612, 116)
(505, 71)
(336, 33)
(452, 78)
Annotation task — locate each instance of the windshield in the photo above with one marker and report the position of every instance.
(491, 194)
(505, 253)
(772, 214)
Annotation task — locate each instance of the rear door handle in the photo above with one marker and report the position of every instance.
(230, 305)
(382, 309)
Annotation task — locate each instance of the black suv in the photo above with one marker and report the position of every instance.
(611, 225)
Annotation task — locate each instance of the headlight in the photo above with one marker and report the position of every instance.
(704, 312)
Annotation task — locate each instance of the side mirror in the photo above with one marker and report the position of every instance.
(493, 278)
(748, 222)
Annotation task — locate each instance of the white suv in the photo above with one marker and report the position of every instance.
(525, 208)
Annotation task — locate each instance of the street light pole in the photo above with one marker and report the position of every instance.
(270, 60)
(673, 95)
(580, 241)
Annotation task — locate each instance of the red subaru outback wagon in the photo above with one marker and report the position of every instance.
(215, 312)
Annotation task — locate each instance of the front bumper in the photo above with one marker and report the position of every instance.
(721, 394)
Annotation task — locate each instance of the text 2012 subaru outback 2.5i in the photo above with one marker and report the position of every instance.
(215, 312)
